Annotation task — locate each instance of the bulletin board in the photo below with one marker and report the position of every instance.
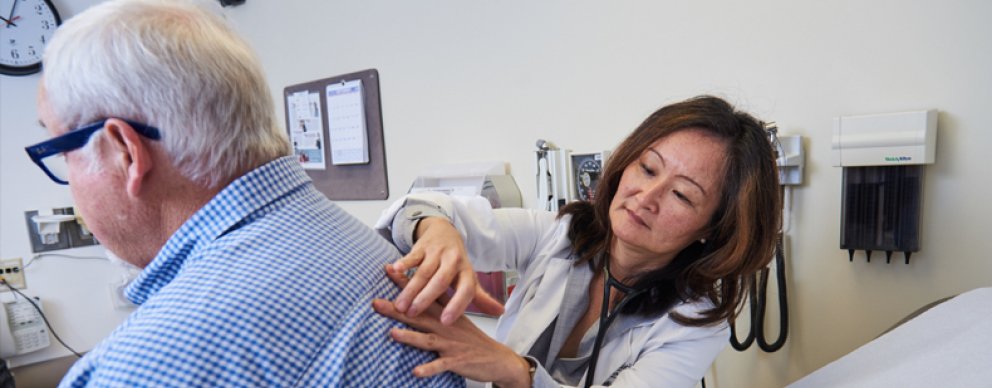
(335, 128)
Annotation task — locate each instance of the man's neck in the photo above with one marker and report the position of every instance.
(174, 201)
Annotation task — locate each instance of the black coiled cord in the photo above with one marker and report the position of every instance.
(758, 305)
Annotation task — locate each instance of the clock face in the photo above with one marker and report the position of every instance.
(25, 29)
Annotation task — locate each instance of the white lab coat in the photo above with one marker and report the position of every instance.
(656, 352)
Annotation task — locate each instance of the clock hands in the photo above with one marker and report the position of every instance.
(11, 21)
(23, 56)
(10, 17)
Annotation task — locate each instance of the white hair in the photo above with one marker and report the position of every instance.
(175, 65)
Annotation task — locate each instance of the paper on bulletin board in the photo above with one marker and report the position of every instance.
(346, 123)
(306, 132)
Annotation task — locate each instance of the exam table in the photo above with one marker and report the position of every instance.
(948, 345)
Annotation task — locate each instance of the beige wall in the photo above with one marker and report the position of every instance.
(479, 81)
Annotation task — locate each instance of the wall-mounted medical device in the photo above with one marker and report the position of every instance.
(883, 157)
(586, 168)
(490, 181)
(553, 178)
(564, 176)
(791, 159)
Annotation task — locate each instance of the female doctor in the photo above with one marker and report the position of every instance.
(632, 289)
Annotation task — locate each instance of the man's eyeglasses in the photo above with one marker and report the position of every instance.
(56, 168)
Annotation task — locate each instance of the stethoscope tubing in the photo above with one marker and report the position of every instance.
(606, 317)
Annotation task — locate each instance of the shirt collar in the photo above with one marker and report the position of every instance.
(223, 213)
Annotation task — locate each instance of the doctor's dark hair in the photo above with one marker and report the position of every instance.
(740, 236)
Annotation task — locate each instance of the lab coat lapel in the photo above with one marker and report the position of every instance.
(543, 307)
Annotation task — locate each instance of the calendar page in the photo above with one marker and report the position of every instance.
(346, 123)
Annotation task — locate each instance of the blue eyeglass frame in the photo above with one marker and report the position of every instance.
(76, 139)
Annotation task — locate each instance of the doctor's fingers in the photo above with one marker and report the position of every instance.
(486, 303)
(411, 260)
(398, 278)
(449, 266)
(428, 322)
(438, 366)
(425, 341)
(466, 293)
(452, 356)
(423, 274)
(474, 356)
(465, 283)
(435, 238)
(401, 280)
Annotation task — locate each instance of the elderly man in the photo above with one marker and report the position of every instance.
(164, 129)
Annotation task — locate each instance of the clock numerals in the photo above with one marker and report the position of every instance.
(28, 26)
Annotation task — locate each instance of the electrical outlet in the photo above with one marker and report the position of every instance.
(41, 243)
(12, 272)
(71, 231)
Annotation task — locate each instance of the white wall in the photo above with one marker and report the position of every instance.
(74, 293)
(480, 81)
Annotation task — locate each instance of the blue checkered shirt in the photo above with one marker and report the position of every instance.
(268, 285)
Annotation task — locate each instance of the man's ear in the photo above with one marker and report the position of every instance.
(134, 155)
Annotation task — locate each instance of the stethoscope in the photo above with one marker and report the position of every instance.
(606, 317)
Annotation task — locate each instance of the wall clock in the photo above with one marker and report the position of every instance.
(26, 26)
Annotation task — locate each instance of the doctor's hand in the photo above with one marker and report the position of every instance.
(461, 347)
(441, 261)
